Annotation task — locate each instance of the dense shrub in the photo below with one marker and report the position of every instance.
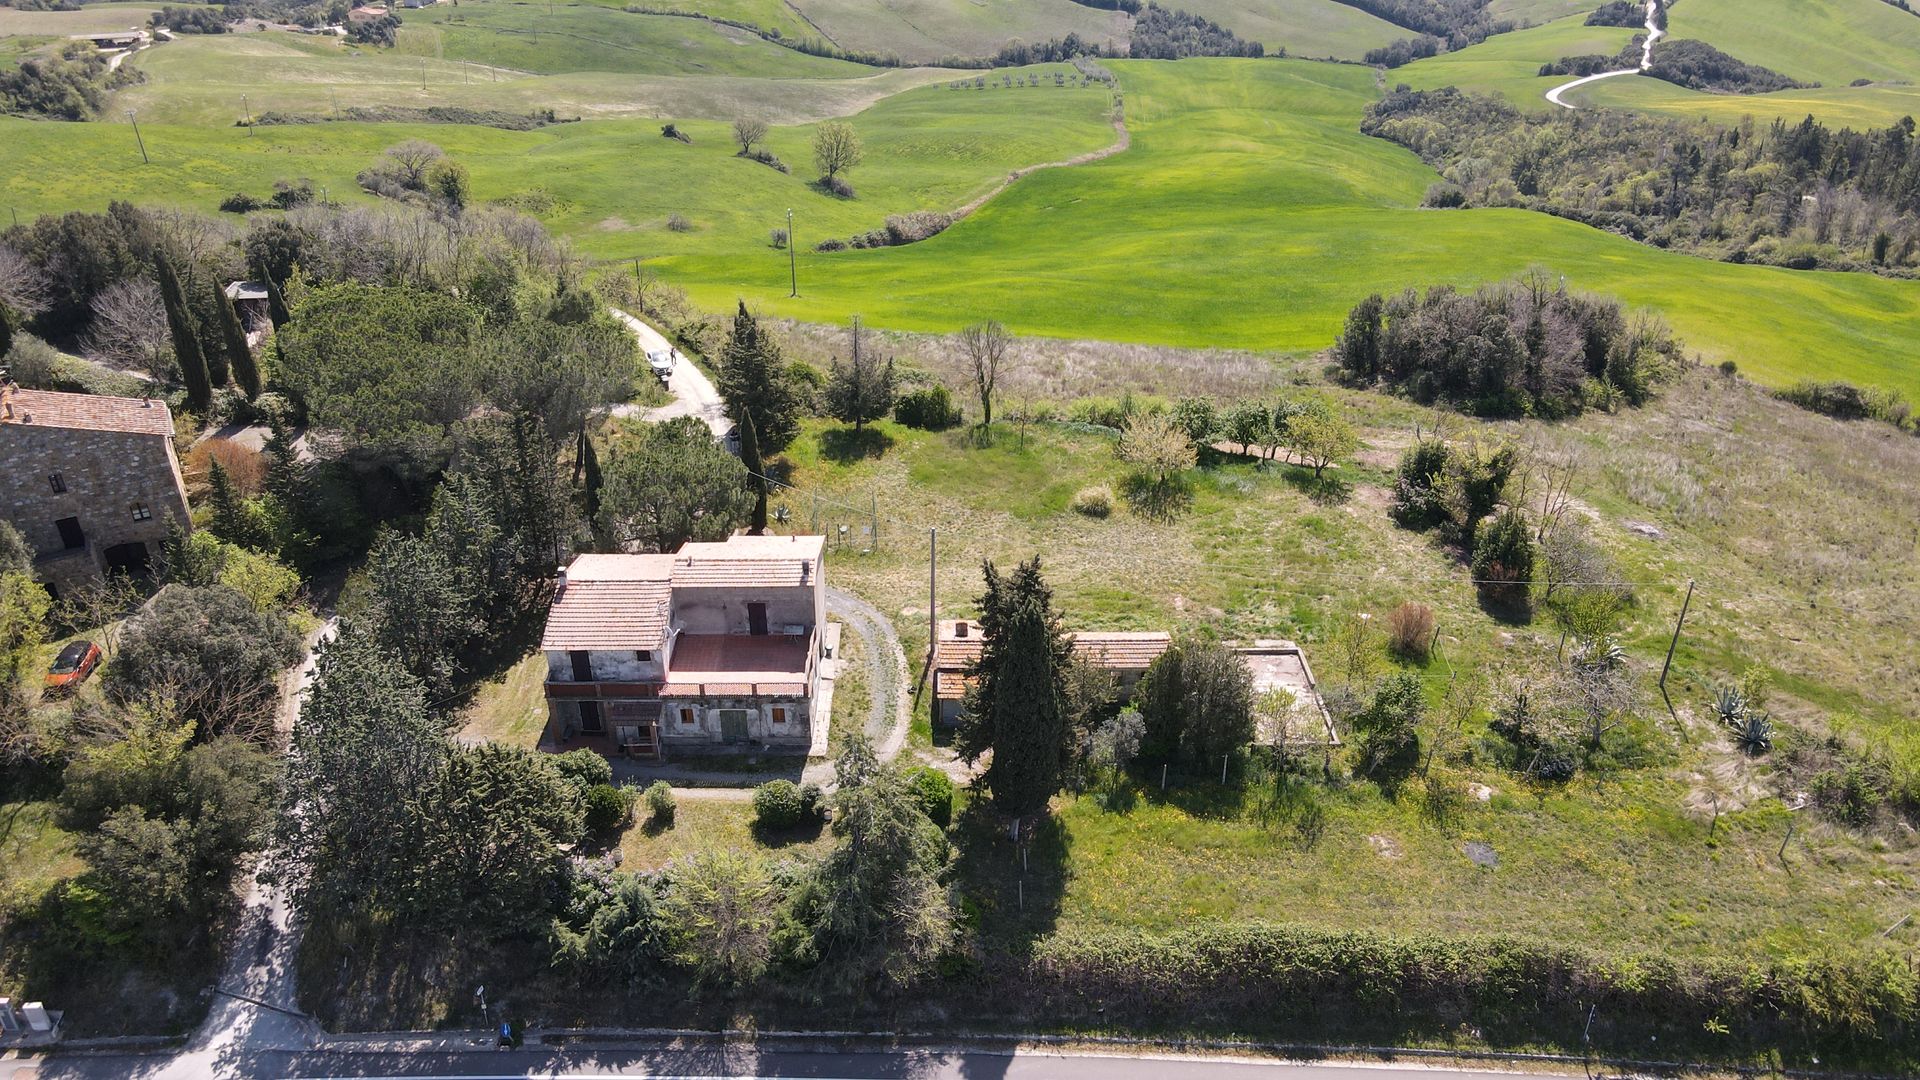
(240, 203)
(1786, 194)
(583, 768)
(1845, 401)
(784, 804)
(933, 790)
(914, 227)
(1255, 977)
(192, 20)
(72, 84)
(836, 186)
(678, 223)
(672, 131)
(608, 809)
(1503, 559)
(1451, 487)
(831, 244)
(1094, 501)
(1697, 65)
(1410, 629)
(1163, 34)
(765, 157)
(660, 803)
(929, 408)
(1522, 348)
(1628, 13)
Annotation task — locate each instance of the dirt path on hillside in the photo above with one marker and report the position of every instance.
(1124, 140)
(1654, 33)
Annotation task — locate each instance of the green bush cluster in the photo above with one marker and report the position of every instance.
(929, 408)
(783, 804)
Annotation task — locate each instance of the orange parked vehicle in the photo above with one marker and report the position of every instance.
(72, 667)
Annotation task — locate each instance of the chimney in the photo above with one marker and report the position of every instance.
(960, 628)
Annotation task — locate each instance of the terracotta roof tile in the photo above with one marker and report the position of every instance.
(611, 602)
(1121, 651)
(88, 412)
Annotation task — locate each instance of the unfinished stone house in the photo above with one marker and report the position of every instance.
(957, 647)
(91, 481)
(717, 644)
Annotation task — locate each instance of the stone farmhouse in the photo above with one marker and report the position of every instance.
(91, 481)
(958, 645)
(716, 644)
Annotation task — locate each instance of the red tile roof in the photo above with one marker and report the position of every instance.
(1113, 650)
(1121, 651)
(626, 601)
(87, 412)
(611, 602)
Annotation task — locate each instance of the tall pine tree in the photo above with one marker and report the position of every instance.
(1016, 708)
(186, 346)
(234, 339)
(755, 384)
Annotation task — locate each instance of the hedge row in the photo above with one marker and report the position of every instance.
(1294, 981)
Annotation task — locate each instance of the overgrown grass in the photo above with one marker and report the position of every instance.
(511, 709)
(1785, 521)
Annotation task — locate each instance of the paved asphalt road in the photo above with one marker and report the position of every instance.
(741, 1060)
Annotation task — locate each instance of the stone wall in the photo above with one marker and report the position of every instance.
(110, 478)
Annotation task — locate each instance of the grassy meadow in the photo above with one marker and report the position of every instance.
(591, 37)
(609, 185)
(1786, 522)
(1832, 42)
(928, 31)
(1249, 213)
(1311, 28)
(201, 80)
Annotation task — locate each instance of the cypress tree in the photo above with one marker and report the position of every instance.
(750, 457)
(186, 347)
(229, 517)
(239, 354)
(1017, 708)
(755, 384)
(276, 302)
(588, 476)
(6, 331)
(213, 347)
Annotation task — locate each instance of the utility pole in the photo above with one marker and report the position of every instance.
(246, 110)
(793, 265)
(933, 604)
(144, 159)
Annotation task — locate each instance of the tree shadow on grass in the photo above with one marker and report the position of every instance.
(1507, 604)
(1161, 500)
(1324, 490)
(844, 446)
(805, 833)
(1015, 894)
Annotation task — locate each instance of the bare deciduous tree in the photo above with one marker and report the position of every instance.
(985, 344)
(747, 132)
(23, 289)
(410, 161)
(835, 148)
(130, 330)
